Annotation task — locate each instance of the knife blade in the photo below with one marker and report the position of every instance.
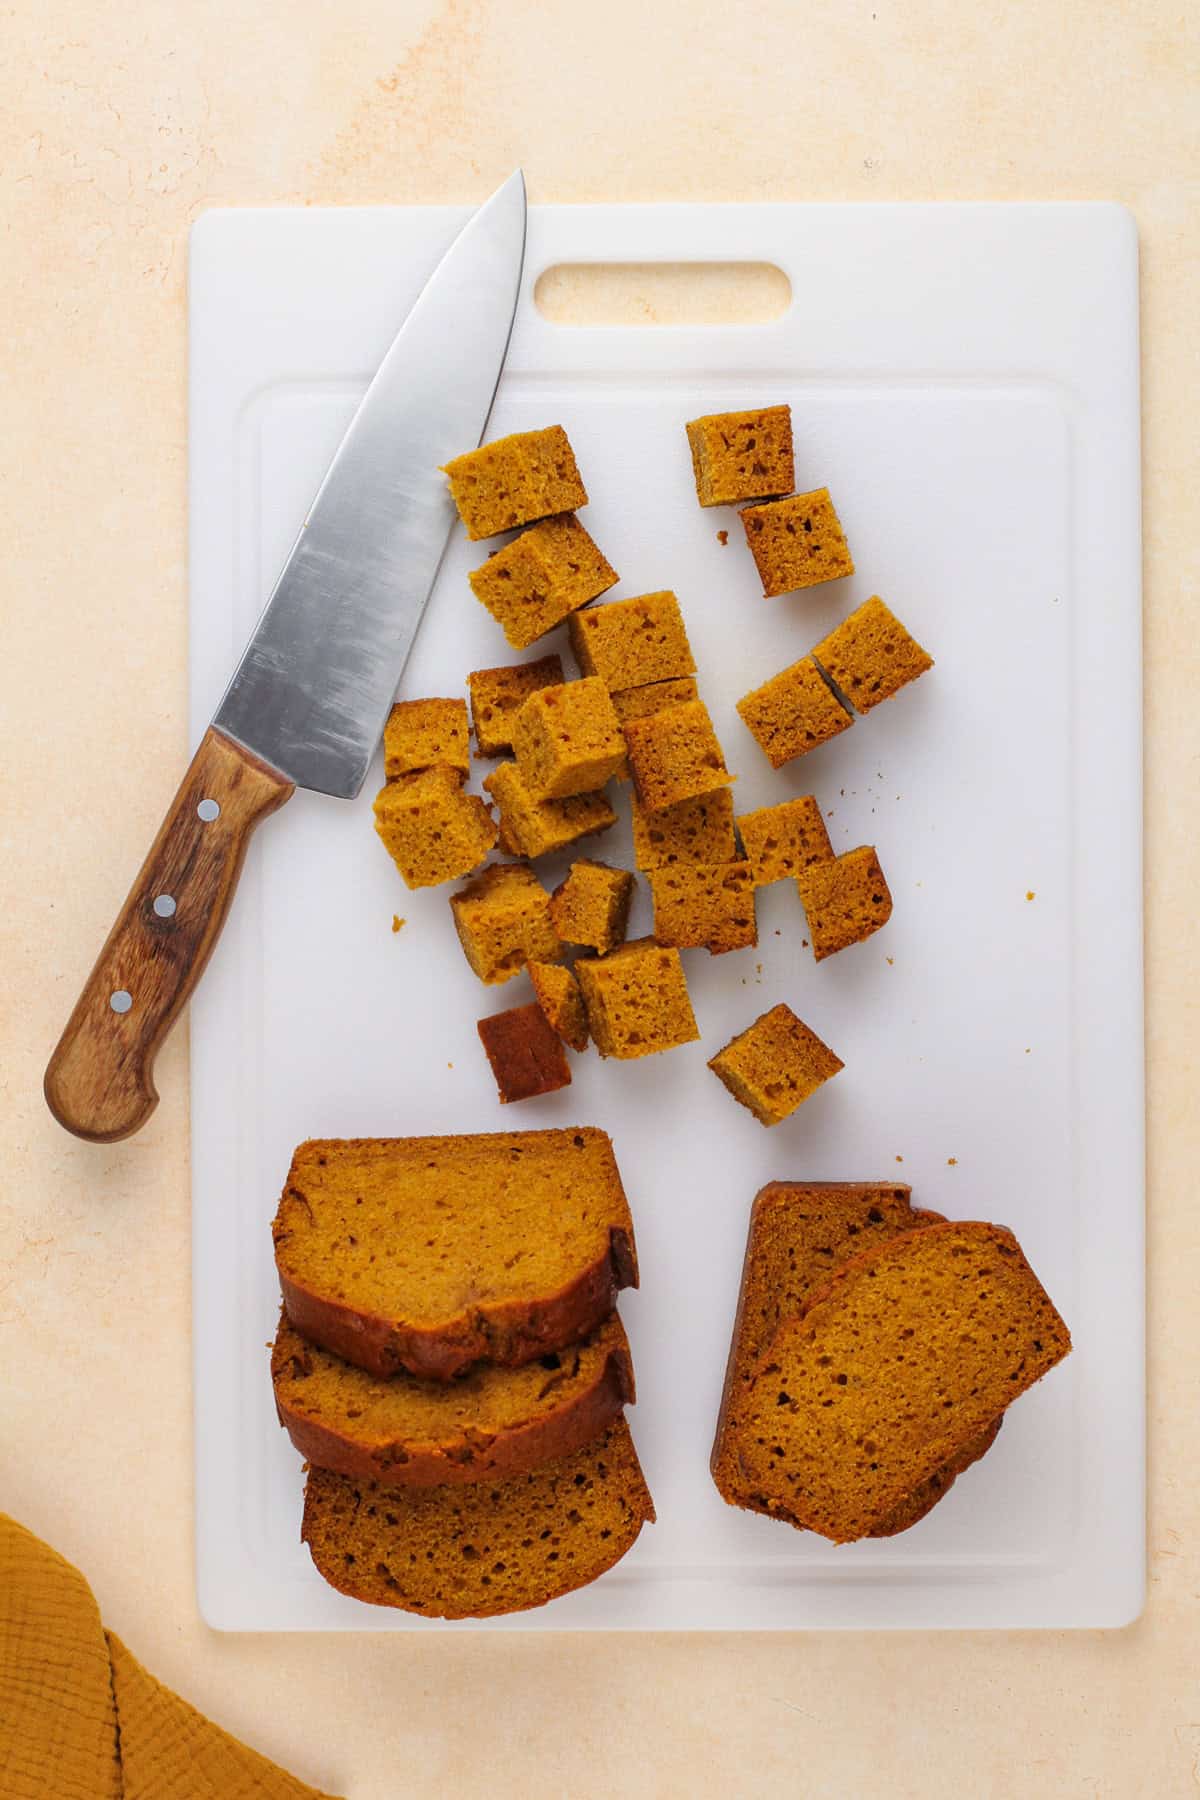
(307, 702)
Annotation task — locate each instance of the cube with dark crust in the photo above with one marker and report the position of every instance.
(525, 1051)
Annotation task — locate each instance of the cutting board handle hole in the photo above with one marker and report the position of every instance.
(682, 293)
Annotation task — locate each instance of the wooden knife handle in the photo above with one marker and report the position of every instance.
(100, 1080)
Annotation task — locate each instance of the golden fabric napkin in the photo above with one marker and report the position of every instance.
(80, 1719)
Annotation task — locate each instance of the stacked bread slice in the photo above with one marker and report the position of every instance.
(450, 1363)
(875, 1350)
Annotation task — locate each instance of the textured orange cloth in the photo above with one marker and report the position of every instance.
(80, 1719)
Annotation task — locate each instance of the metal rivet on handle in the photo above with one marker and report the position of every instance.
(208, 810)
(121, 1001)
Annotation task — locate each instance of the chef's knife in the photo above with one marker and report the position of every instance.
(308, 701)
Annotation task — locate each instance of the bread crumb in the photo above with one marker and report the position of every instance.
(891, 961)
(722, 537)
(952, 1162)
(899, 1159)
(1030, 895)
(397, 921)
(449, 1065)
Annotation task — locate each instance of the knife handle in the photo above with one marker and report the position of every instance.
(100, 1080)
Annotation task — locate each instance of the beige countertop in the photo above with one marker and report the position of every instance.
(117, 126)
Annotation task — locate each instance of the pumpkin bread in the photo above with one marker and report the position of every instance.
(558, 995)
(691, 831)
(497, 696)
(870, 656)
(470, 1552)
(797, 542)
(530, 827)
(591, 907)
(525, 1053)
(429, 1254)
(800, 1232)
(514, 480)
(742, 455)
(403, 1431)
(773, 1066)
(531, 585)
(908, 1353)
(432, 831)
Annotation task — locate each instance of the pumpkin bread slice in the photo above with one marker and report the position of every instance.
(909, 1352)
(800, 1232)
(430, 1254)
(402, 1431)
(488, 1547)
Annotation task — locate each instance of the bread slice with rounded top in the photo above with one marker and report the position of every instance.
(430, 1254)
(489, 1547)
(403, 1431)
(800, 1232)
(909, 1351)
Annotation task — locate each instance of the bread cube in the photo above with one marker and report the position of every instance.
(591, 907)
(568, 740)
(514, 480)
(530, 585)
(503, 922)
(781, 840)
(637, 1000)
(525, 1052)
(797, 542)
(432, 831)
(656, 696)
(530, 827)
(742, 455)
(691, 831)
(559, 997)
(774, 1065)
(844, 900)
(871, 656)
(674, 755)
(793, 713)
(631, 643)
(707, 906)
(497, 695)
(421, 733)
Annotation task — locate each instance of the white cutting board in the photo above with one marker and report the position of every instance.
(965, 380)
